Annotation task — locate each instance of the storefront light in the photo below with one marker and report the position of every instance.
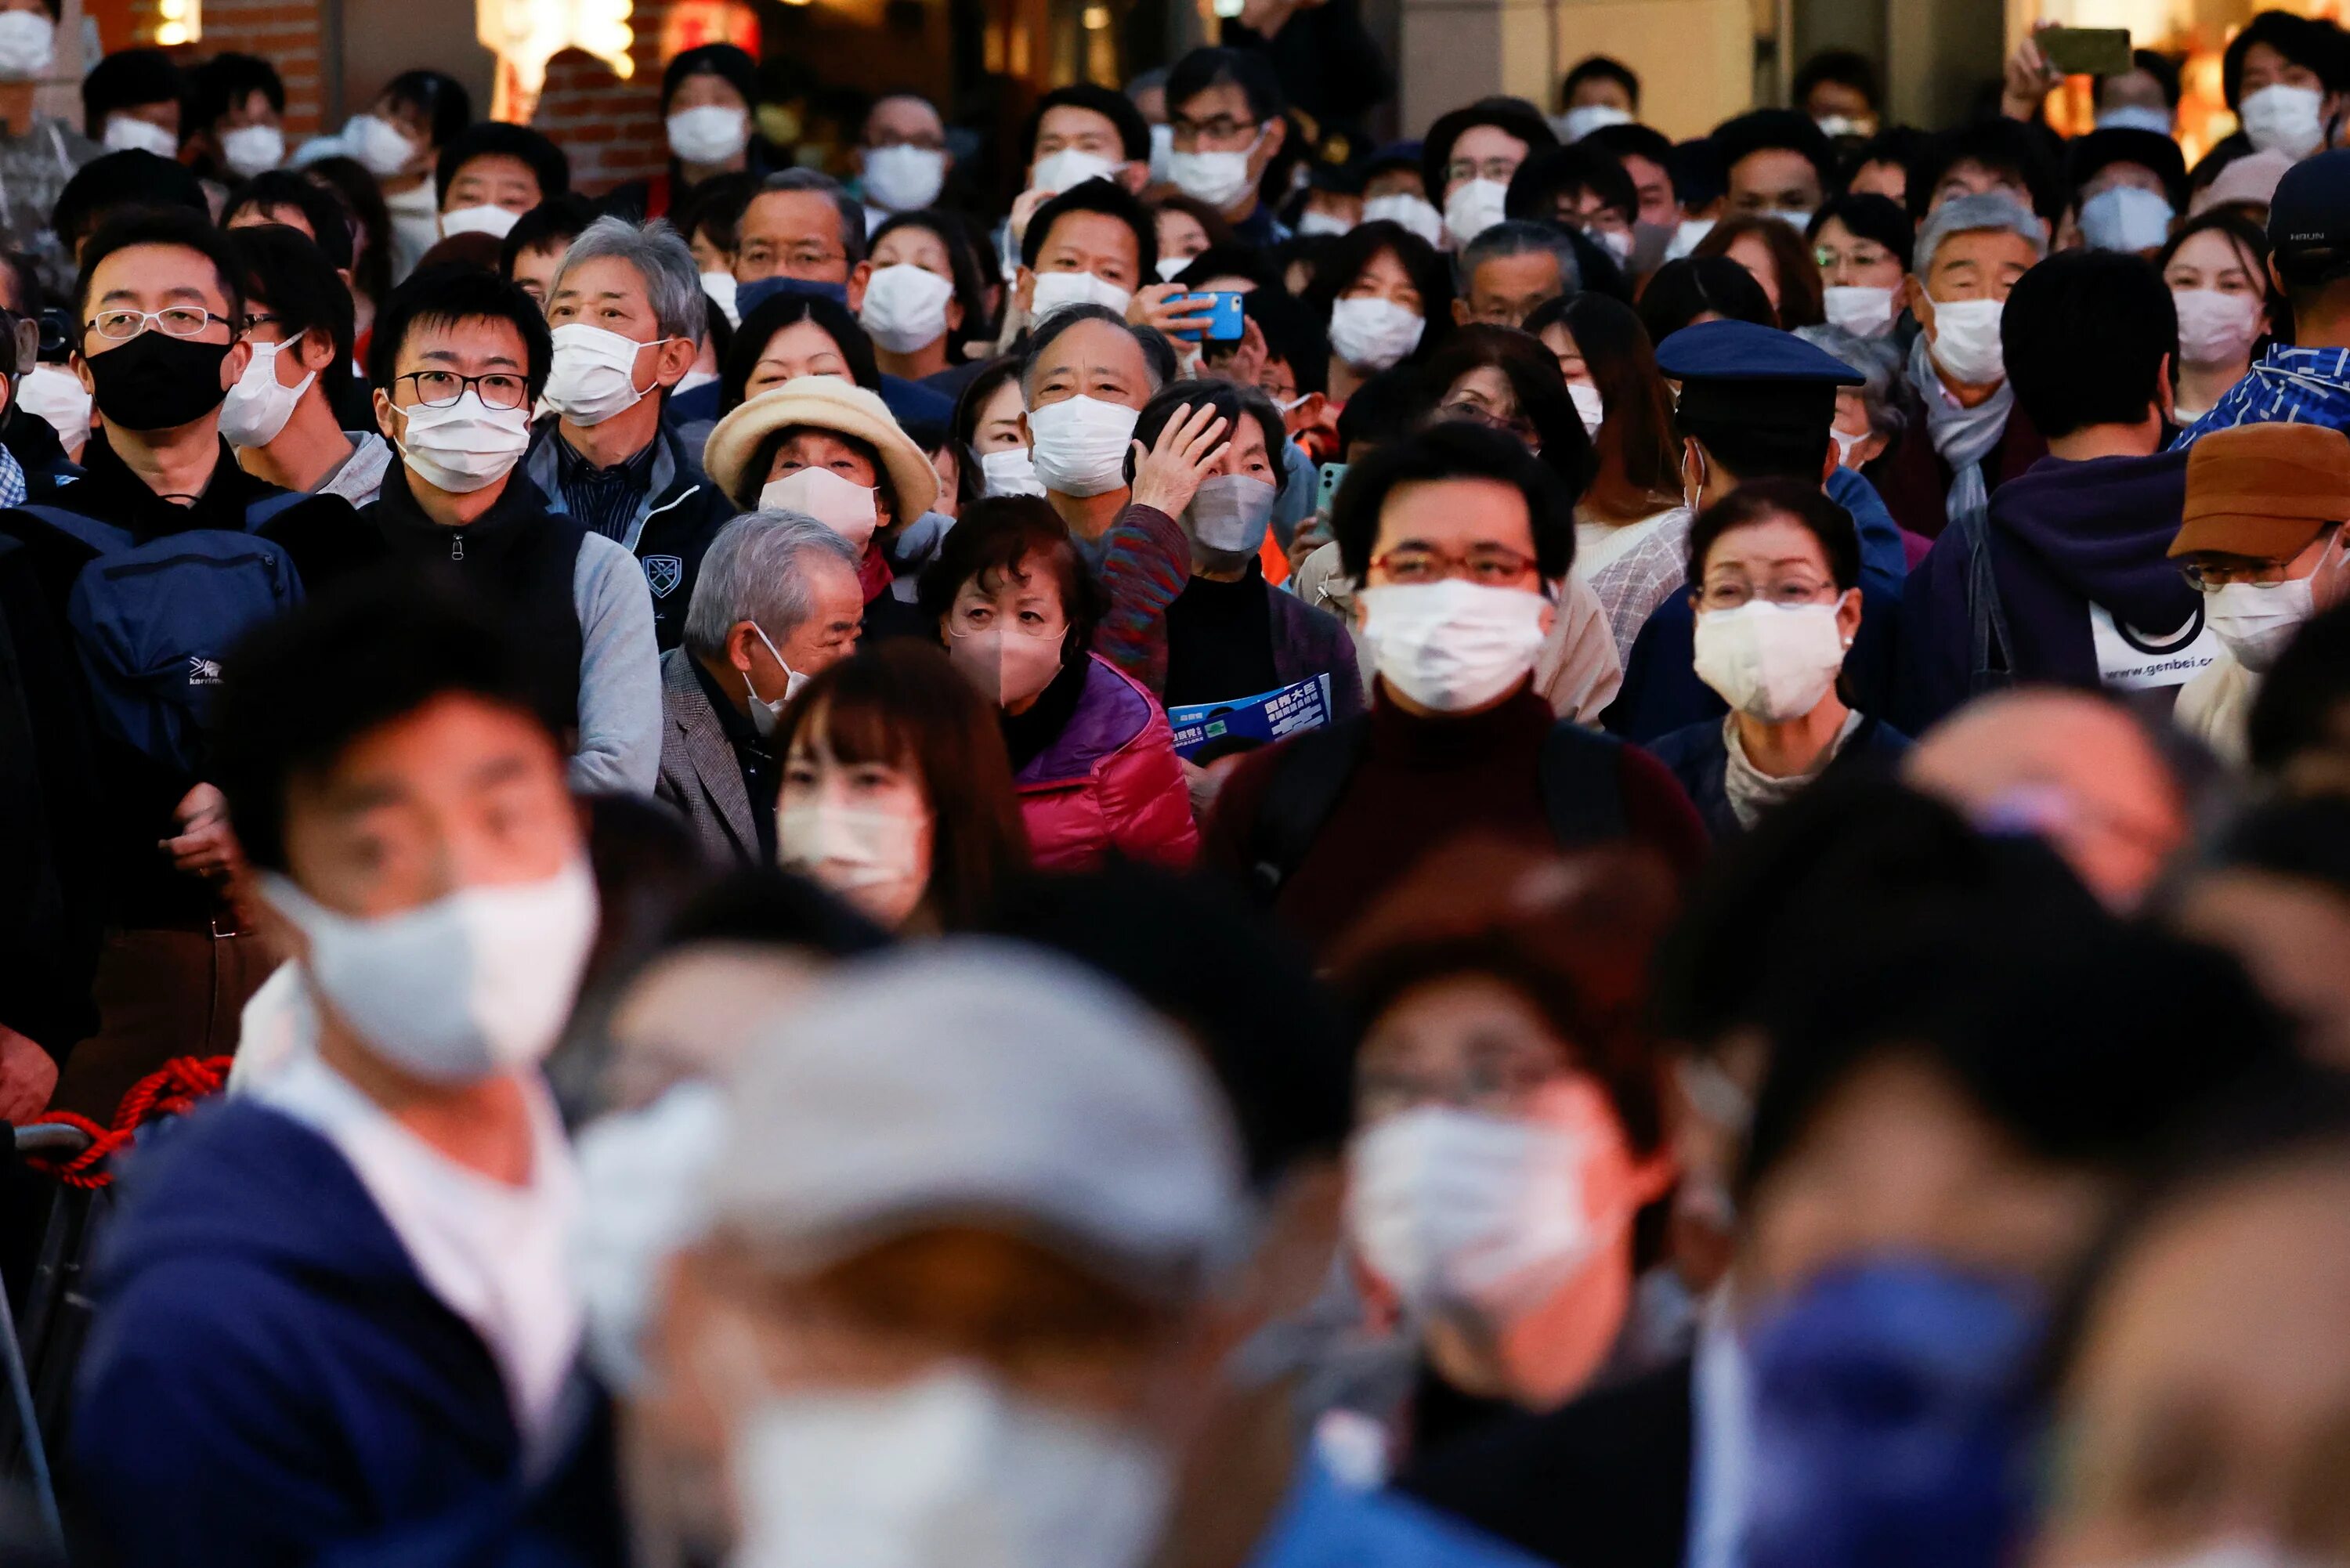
(179, 21)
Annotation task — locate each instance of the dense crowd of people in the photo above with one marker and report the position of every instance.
(1178, 839)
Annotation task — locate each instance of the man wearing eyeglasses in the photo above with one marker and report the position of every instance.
(124, 588)
(458, 358)
(2261, 537)
(1457, 533)
(801, 227)
(1229, 120)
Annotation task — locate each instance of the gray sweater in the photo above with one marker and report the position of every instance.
(620, 674)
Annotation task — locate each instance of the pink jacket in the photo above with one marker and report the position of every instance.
(1111, 781)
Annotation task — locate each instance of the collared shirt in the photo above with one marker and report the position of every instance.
(761, 778)
(605, 499)
(2289, 386)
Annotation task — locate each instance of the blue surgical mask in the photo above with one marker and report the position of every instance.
(749, 297)
(1892, 1420)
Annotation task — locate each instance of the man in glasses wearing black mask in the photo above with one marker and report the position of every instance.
(140, 574)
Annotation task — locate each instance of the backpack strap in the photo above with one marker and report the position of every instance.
(103, 538)
(1582, 784)
(1310, 773)
(1990, 663)
(259, 515)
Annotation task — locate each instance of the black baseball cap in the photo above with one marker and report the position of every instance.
(2308, 220)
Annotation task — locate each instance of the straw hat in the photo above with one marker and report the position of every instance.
(827, 403)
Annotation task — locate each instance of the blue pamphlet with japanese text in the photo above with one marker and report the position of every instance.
(1206, 731)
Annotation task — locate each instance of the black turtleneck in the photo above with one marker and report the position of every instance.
(1025, 735)
(1220, 640)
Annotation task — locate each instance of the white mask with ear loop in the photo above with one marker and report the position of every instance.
(766, 713)
(256, 410)
(843, 505)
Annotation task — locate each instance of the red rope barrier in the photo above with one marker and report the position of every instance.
(168, 1091)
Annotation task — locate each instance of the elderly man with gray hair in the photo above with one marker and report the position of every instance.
(777, 601)
(1511, 268)
(628, 313)
(1968, 253)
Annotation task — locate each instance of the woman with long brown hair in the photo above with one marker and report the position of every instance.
(897, 791)
(1630, 527)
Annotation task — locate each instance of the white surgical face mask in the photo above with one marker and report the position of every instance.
(1584, 119)
(480, 219)
(1475, 207)
(1314, 220)
(1797, 221)
(2136, 117)
(948, 1467)
(1169, 268)
(1452, 1208)
(875, 859)
(641, 1186)
(257, 407)
(1416, 214)
(380, 147)
(2216, 328)
(126, 133)
(2258, 622)
(251, 149)
(1231, 512)
(1162, 149)
(1006, 667)
(1452, 645)
(1059, 290)
(843, 505)
(1057, 172)
(466, 446)
(2126, 218)
(55, 395)
(904, 178)
(1589, 406)
(1846, 444)
(1219, 178)
(2284, 119)
(1374, 334)
(1010, 473)
(1080, 445)
(711, 133)
(1687, 234)
(719, 287)
(1966, 340)
(1617, 243)
(1772, 662)
(1835, 125)
(905, 307)
(594, 373)
(766, 712)
(28, 45)
(1860, 310)
(470, 985)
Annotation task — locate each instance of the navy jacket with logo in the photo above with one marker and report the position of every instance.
(681, 512)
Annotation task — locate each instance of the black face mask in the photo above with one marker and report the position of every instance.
(158, 383)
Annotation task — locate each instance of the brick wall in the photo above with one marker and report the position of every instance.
(612, 128)
(283, 32)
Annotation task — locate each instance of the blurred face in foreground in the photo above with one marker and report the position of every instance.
(2207, 1416)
